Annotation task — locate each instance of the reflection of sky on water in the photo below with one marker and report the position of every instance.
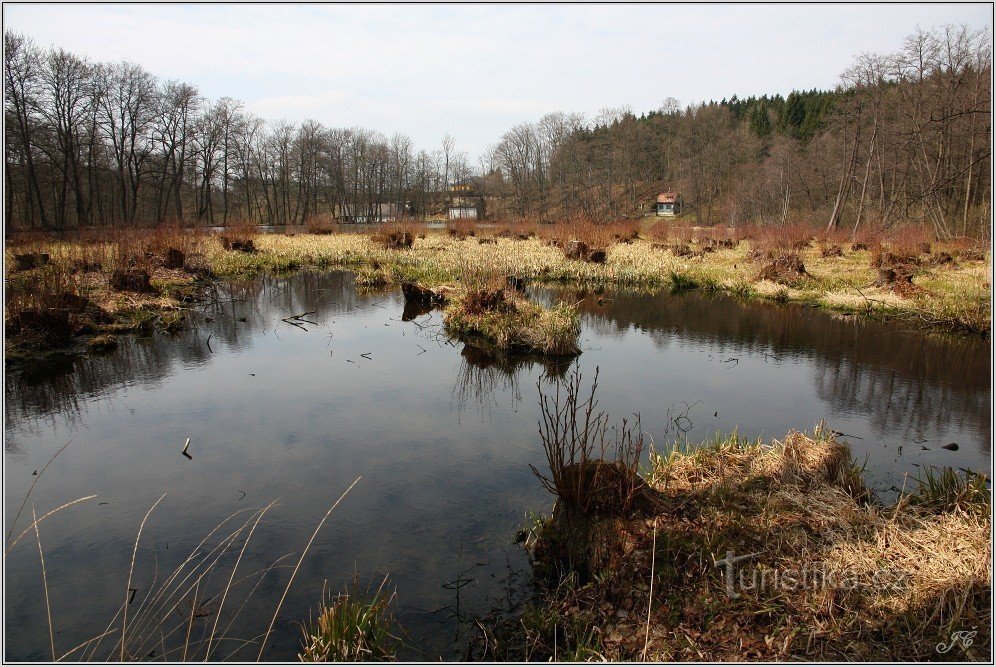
(442, 436)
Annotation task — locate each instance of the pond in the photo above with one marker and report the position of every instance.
(442, 438)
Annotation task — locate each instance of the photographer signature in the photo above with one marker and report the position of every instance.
(963, 637)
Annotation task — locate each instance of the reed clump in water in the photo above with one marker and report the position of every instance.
(593, 472)
(489, 308)
(351, 627)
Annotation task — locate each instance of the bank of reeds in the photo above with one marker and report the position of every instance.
(61, 290)
(950, 280)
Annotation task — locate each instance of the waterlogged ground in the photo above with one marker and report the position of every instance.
(442, 438)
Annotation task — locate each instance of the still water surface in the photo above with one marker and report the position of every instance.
(442, 438)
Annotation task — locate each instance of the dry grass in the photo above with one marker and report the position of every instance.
(831, 574)
(504, 320)
(98, 283)
(952, 295)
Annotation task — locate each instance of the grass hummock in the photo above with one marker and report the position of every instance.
(827, 572)
(510, 322)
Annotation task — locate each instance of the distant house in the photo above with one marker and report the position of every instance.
(669, 203)
(465, 208)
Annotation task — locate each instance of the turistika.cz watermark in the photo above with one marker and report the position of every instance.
(741, 577)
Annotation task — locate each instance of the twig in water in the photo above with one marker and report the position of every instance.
(185, 446)
(209, 343)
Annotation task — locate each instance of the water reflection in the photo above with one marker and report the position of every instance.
(485, 374)
(442, 434)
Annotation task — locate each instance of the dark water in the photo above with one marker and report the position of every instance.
(442, 438)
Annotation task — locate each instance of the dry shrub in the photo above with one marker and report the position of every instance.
(238, 244)
(30, 260)
(461, 229)
(887, 258)
(322, 224)
(785, 238)
(173, 258)
(672, 231)
(45, 308)
(785, 268)
(480, 301)
(519, 230)
(240, 236)
(970, 255)
(831, 250)
(593, 472)
(131, 280)
(397, 235)
(423, 296)
(910, 239)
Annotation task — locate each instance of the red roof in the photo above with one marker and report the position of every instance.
(667, 197)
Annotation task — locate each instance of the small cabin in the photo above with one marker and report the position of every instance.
(669, 203)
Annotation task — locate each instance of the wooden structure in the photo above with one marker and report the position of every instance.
(669, 204)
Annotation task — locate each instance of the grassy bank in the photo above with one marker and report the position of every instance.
(950, 294)
(69, 296)
(820, 571)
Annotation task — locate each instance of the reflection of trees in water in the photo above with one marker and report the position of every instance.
(914, 409)
(901, 378)
(261, 301)
(483, 373)
(68, 388)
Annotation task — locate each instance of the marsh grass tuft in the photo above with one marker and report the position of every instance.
(351, 627)
(947, 490)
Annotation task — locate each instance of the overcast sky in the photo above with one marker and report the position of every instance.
(474, 71)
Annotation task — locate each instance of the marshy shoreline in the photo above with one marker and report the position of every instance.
(764, 551)
(74, 294)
